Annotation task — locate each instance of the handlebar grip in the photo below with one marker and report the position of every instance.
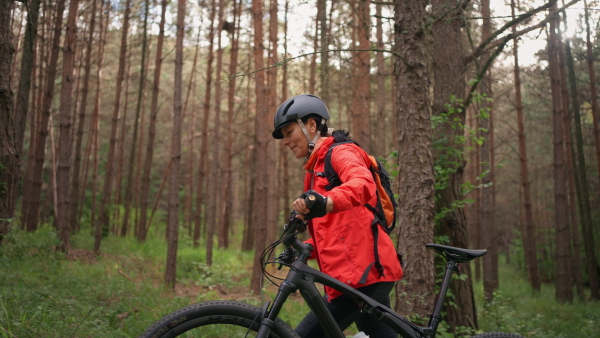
(310, 200)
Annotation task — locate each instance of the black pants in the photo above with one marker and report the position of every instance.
(345, 312)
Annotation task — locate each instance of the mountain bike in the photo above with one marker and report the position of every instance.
(223, 317)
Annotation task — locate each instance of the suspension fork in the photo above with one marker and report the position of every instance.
(270, 314)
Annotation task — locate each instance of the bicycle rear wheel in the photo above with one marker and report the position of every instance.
(497, 335)
(215, 319)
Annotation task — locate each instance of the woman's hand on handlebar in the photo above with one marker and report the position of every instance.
(311, 204)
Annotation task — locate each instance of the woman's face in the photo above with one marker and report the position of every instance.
(294, 138)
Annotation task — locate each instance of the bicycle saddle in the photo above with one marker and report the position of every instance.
(457, 254)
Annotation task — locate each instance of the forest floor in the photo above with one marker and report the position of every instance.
(120, 293)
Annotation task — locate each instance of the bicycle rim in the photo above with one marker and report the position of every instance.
(215, 319)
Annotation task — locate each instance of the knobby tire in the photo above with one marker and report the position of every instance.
(215, 319)
(497, 335)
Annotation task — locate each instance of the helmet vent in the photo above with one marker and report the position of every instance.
(287, 108)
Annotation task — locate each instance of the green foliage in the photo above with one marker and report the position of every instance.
(450, 149)
(44, 293)
(517, 308)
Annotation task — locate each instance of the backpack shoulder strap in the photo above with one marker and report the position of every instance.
(332, 176)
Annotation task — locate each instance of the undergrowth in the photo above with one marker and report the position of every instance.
(44, 293)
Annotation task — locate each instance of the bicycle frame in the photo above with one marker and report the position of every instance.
(303, 277)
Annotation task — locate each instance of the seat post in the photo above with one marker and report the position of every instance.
(436, 318)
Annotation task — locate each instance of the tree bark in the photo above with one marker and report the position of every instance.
(415, 160)
(104, 217)
(312, 78)
(324, 44)
(581, 180)
(529, 238)
(564, 292)
(490, 233)
(129, 185)
(272, 104)
(143, 224)
(75, 182)
(449, 90)
(226, 217)
(65, 141)
(380, 142)
(575, 272)
(212, 171)
(592, 262)
(204, 179)
(31, 201)
(172, 225)
(94, 125)
(25, 79)
(361, 92)
(262, 138)
(188, 208)
(8, 148)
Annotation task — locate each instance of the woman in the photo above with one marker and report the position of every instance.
(339, 222)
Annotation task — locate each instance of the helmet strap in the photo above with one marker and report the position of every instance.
(311, 143)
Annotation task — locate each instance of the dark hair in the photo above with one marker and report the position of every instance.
(338, 135)
(318, 119)
(341, 136)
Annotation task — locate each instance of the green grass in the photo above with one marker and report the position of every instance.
(120, 293)
(517, 308)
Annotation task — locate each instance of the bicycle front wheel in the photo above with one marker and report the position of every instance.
(497, 335)
(215, 319)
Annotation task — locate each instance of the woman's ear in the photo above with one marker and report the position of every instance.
(312, 125)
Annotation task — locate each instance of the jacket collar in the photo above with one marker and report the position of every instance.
(321, 148)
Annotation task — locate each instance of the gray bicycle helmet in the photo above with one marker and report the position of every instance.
(296, 108)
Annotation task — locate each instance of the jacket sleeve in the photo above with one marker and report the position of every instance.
(358, 187)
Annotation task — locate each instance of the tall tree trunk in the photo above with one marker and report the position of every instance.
(564, 292)
(94, 126)
(283, 173)
(361, 92)
(249, 182)
(592, 262)
(25, 77)
(415, 159)
(226, 217)
(32, 193)
(129, 187)
(380, 142)
(106, 193)
(8, 148)
(75, 183)
(65, 141)
(529, 238)
(312, 78)
(120, 151)
(272, 216)
(188, 208)
(576, 273)
(203, 166)
(490, 233)
(581, 181)
(593, 91)
(449, 82)
(213, 174)
(262, 140)
(145, 187)
(324, 44)
(172, 225)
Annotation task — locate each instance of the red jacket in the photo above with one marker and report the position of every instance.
(343, 238)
